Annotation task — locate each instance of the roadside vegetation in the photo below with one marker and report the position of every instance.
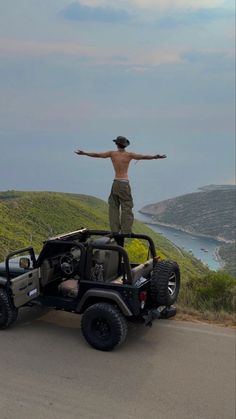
(212, 296)
(29, 218)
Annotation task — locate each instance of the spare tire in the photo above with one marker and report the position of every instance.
(165, 283)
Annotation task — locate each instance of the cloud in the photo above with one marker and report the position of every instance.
(32, 48)
(105, 14)
(125, 57)
(137, 60)
(202, 56)
(214, 61)
(167, 13)
(177, 4)
(155, 4)
(190, 17)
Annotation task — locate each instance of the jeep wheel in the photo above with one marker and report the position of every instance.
(103, 326)
(8, 313)
(165, 283)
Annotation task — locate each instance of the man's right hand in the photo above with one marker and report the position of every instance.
(79, 152)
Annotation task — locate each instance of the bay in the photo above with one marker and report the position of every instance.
(203, 248)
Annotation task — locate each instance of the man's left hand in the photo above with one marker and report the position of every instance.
(161, 156)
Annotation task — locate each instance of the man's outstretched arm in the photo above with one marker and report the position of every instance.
(101, 155)
(147, 156)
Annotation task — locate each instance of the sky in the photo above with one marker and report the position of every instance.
(76, 74)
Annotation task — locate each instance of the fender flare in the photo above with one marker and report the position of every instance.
(104, 294)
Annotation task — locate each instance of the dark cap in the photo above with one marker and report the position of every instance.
(122, 141)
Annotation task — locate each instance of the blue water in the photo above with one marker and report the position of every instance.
(188, 242)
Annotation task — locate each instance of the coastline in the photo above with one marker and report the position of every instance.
(184, 230)
(216, 261)
(218, 258)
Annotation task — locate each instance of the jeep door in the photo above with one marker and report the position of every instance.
(25, 287)
(23, 276)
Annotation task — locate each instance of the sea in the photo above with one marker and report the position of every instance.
(203, 248)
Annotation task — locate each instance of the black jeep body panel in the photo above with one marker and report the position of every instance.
(84, 268)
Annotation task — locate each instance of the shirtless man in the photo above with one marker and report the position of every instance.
(120, 200)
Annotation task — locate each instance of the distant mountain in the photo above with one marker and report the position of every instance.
(210, 212)
(31, 217)
(216, 187)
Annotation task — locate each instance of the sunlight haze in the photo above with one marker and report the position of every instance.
(76, 74)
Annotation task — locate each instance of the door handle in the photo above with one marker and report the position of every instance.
(23, 288)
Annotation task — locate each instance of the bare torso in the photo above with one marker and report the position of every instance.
(121, 160)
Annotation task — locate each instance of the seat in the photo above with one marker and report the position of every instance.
(102, 241)
(109, 262)
(69, 288)
(142, 270)
(47, 273)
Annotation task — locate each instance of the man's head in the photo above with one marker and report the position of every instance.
(121, 142)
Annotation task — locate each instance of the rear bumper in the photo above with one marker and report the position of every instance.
(168, 312)
(157, 313)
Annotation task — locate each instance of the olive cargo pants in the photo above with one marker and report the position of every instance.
(120, 207)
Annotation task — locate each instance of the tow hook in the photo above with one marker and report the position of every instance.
(150, 316)
(168, 312)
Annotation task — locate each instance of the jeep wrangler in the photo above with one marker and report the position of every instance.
(87, 272)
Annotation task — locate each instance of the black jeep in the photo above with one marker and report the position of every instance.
(87, 272)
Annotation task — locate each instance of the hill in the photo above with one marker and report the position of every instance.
(210, 212)
(31, 217)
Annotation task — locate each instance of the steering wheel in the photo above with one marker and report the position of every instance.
(67, 265)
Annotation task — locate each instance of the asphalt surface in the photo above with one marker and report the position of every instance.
(176, 370)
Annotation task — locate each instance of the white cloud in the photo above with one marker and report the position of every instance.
(135, 58)
(15, 47)
(155, 4)
(176, 4)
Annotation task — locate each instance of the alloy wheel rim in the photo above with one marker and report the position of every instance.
(172, 283)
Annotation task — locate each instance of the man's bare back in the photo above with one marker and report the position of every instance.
(121, 159)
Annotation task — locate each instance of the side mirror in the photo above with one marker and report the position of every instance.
(24, 263)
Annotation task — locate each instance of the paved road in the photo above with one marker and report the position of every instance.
(175, 370)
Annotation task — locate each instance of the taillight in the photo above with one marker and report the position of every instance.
(143, 298)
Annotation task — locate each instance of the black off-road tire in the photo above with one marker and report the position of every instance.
(104, 326)
(165, 283)
(8, 313)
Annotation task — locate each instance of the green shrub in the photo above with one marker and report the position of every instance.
(137, 251)
(214, 291)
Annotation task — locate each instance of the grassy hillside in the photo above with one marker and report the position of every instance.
(31, 217)
(34, 216)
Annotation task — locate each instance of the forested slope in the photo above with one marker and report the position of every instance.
(31, 217)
